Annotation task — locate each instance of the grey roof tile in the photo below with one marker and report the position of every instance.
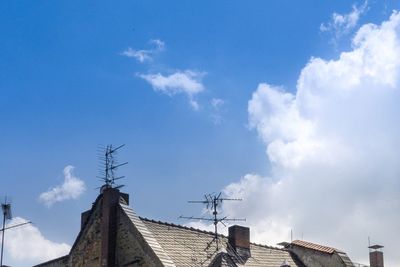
(148, 236)
(187, 247)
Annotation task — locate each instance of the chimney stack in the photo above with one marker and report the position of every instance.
(376, 256)
(239, 240)
(108, 227)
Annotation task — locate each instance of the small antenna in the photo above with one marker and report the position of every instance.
(7, 215)
(291, 235)
(369, 243)
(212, 201)
(6, 207)
(109, 165)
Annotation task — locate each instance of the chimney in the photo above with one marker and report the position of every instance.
(108, 228)
(239, 240)
(375, 256)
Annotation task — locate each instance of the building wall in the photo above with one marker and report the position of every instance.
(130, 247)
(86, 252)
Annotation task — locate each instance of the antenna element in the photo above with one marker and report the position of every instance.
(212, 201)
(6, 207)
(109, 166)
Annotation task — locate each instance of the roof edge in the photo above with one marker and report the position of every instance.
(53, 260)
(204, 232)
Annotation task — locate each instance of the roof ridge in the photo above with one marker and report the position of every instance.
(316, 246)
(268, 246)
(180, 226)
(203, 231)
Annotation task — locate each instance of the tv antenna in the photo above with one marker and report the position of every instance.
(6, 207)
(212, 201)
(109, 165)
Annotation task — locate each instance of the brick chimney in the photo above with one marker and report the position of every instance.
(239, 240)
(375, 256)
(108, 226)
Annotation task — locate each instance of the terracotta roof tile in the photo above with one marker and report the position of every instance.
(313, 246)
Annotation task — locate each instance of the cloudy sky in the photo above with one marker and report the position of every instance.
(290, 105)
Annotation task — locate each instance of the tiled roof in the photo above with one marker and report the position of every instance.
(148, 236)
(191, 247)
(342, 255)
(313, 246)
(346, 260)
(222, 259)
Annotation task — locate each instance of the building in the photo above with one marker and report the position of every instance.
(113, 235)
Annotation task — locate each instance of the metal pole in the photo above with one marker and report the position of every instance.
(13, 226)
(215, 200)
(2, 238)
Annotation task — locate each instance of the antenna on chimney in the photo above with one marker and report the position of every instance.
(6, 207)
(109, 164)
(212, 201)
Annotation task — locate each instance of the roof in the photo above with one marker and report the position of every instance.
(324, 249)
(191, 247)
(222, 259)
(313, 246)
(181, 246)
(345, 259)
(148, 236)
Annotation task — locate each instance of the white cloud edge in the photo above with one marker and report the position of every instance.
(145, 55)
(71, 188)
(217, 106)
(343, 23)
(187, 82)
(27, 244)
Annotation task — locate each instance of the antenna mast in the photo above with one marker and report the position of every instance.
(212, 201)
(6, 207)
(109, 166)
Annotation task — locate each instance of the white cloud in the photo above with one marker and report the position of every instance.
(217, 104)
(72, 188)
(186, 82)
(181, 82)
(160, 45)
(140, 55)
(344, 23)
(194, 104)
(333, 146)
(27, 244)
(145, 55)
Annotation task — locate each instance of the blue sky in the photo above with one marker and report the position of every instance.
(67, 86)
